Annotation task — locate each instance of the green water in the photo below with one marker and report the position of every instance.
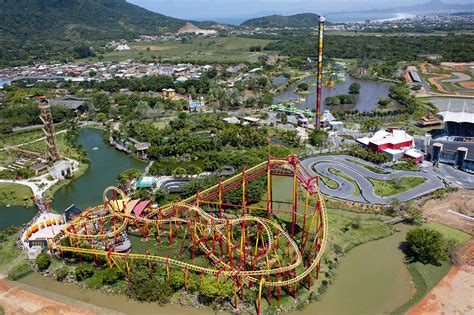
(15, 215)
(105, 164)
(371, 279)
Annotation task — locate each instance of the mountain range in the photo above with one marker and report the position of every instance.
(34, 29)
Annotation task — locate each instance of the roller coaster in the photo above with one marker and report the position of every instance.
(221, 231)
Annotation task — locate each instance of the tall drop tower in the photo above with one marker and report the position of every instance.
(52, 152)
(319, 80)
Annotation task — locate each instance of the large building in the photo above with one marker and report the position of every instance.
(396, 144)
(458, 123)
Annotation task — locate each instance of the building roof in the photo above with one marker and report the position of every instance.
(395, 137)
(413, 153)
(138, 209)
(458, 117)
(232, 120)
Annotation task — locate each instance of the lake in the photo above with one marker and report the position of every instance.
(106, 164)
(370, 93)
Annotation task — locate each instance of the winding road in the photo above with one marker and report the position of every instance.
(321, 165)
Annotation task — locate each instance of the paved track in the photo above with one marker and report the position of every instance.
(322, 164)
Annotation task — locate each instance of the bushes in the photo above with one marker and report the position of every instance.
(43, 261)
(61, 274)
(426, 245)
(19, 271)
(84, 271)
(149, 289)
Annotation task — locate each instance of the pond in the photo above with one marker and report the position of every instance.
(370, 93)
(106, 164)
(371, 279)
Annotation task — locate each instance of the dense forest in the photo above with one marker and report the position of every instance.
(303, 20)
(395, 48)
(31, 29)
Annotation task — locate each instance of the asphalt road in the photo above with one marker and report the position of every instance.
(346, 189)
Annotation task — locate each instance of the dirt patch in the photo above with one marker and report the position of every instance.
(152, 48)
(434, 81)
(469, 85)
(17, 301)
(453, 294)
(460, 201)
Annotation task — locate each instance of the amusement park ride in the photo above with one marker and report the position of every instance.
(273, 244)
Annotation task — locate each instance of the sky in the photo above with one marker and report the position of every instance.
(212, 9)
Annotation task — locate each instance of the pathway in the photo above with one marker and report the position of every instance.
(38, 184)
(322, 164)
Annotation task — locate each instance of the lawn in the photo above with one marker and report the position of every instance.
(205, 50)
(347, 177)
(9, 252)
(328, 182)
(459, 236)
(369, 167)
(387, 188)
(15, 195)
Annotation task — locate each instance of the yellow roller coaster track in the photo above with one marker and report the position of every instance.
(190, 208)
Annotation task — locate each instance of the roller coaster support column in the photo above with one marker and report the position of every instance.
(269, 189)
(220, 198)
(259, 301)
(320, 71)
(295, 198)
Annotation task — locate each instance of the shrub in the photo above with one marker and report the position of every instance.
(84, 271)
(43, 261)
(426, 245)
(19, 271)
(61, 273)
(146, 289)
(177, 279)
(111, 275)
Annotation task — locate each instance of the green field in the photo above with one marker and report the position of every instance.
(459, 236)
(347, 177)
(367, 166)
(204, 50)
(15, 195)
(328, 182)
(387, 188)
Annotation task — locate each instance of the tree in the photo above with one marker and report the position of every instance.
(101, 117)
(426, 245)
(303, 86)
(128, 175)
(354, 88)
(318, 137)
(43, 261)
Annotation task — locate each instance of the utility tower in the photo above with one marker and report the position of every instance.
(52, 152)
(319, 80)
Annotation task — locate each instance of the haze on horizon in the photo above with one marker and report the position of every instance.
(215, 9)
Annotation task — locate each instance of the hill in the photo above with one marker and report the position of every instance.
(36, 29)
(303, 20)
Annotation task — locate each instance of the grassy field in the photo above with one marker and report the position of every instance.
(347, 177)
(205, 50)
(369, 167)
(329, 182)
(15, 194)
(387, 188)
(459, 236)
(9, 252)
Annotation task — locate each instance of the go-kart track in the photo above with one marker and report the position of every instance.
(219, 231)
(322, 165)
